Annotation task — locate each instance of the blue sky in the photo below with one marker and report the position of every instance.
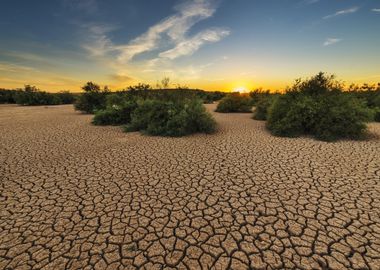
(209, 44)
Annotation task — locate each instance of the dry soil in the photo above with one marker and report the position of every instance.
(78, 196)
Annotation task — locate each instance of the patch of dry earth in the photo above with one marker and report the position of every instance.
(77, 196)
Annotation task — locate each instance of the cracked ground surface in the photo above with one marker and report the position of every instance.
(77, 196)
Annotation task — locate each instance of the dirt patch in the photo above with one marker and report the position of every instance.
(73, 195)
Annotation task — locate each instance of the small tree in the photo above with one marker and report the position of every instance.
(91, 87)
(93, 98)
(165, 82)
(140, 87)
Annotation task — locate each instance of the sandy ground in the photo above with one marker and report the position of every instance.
(77, 196)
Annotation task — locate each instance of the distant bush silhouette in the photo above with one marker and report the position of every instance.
(210, 97)
(143, 91)
(318, 107)
(65, 97)
(171, 118)
(258, 94)
(93, 98)
(32, 96)
(235, 103)
(7, 96)
(140, 87)
(370, 94)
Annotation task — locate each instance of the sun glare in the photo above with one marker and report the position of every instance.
(240, 89)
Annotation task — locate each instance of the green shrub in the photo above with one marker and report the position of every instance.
(171, 118)
(210, 97)
(258, 94)
(341, 116)
(117, 99)
(65, 97)
(324, 111)
(108, 116)
(7, 96)
(235, 103)
(376, 114)
(291, 115)
(375, 105)
(262, 107)
(93, 98)
(116, 114)
(30, 95)
(317, 85)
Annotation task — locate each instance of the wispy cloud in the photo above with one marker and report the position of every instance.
(120, 78)
(99, 43)
(190, 45)
(310, 2)
(176, 27)
(10, 67)
(376, 10)
(342, 12)
(18, 75)
(331, 41)
(165, 41)
(304, 3)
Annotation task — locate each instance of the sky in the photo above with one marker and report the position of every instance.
(206, 44)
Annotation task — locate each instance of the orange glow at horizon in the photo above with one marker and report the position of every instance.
(242, 86)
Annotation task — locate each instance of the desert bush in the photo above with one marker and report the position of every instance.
(262, 107)
(376, 114)
(370, 94)
(258, 94)
(117, 112)
(7, 96)
(65, 97)
(318, 107)
(114, 115)
(93, 98)
(292, 115)
(117, 99)
(210, 97)
(32, 96)
(235, 103)
(171, 118)
(339, 116)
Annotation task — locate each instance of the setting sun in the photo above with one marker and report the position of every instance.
(241, 89)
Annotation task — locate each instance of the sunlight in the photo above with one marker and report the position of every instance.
(240, 89)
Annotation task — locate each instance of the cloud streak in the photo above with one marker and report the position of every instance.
(174, 27)
(10, 67)
(99, 43)
(376, 10)
(342, 12)
(331, 41)
(191, 45)
(165, 41)
(310, 2)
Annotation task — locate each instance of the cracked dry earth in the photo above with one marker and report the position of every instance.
(77, 196)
